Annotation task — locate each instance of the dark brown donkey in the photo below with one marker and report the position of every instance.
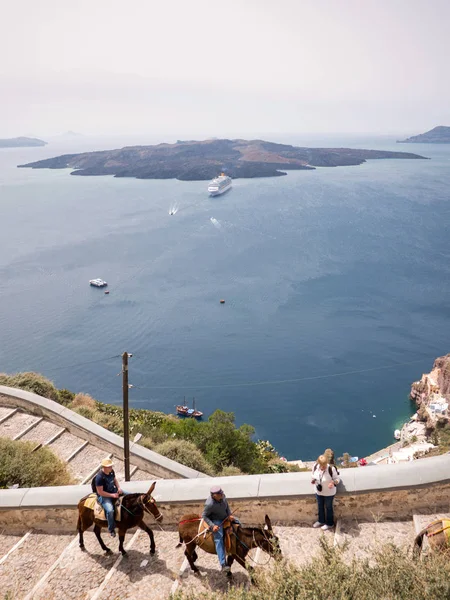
(133, 508)
(243, 539)
(438, 534)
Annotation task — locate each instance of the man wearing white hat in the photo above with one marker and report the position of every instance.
(108, 490)
(215, 512)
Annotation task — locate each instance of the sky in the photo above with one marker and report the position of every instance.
(210, 68)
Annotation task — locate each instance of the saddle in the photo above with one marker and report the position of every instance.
(99, 513)
(204, 530)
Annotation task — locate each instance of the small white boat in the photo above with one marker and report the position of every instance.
(397, 434)
(98, 282)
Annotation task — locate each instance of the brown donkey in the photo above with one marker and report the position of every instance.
(133, 508)
(243, 539)
(438, 534)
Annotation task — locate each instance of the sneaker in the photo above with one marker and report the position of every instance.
(226, 569)
(112, 533)
(327, 527)
(317, 524)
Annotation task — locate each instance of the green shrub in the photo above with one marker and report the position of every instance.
(66, 397)
(20, 465)
(230, 471)
(185, 453)
(34, 382)
(83, 400)
(84, 411)
(391, 574)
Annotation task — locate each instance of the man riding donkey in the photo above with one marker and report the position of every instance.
(108, 490)
(215, 513)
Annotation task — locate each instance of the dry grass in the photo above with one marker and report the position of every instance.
(84, 400)
(392, 574)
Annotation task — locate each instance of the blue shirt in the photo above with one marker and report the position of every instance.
(215, 510)
(107, 481)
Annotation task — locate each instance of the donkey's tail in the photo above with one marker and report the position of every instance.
(417, 548)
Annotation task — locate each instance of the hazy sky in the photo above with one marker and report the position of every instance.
(214, 68)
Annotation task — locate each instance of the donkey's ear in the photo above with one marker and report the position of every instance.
(268, 523)
(152, 487)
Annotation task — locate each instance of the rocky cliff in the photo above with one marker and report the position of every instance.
(434, 384)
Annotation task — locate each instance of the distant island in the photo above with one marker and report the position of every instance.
(438, 135)
(21, 142)
(203, 160)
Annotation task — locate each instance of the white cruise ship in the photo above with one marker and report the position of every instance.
(219, 185)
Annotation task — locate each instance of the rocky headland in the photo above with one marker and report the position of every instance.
(203, 160)
(438, 135)
(21, 142)
(432, 393)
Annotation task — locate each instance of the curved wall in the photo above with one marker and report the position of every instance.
(95, 434)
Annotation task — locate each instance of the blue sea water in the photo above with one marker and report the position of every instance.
(336, 286)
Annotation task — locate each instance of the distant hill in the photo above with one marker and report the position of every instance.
(21, 142)
(192, 160)
(438, 135)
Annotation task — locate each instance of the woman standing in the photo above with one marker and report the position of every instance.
(325, 479)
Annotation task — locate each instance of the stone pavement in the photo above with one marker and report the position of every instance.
(53, 567)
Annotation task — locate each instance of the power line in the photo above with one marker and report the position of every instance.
(276, 381)
(88, 362)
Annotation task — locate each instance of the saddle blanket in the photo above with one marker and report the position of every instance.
(203, 531)
(99, 513)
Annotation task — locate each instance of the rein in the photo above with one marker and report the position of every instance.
(256, 545)
(439, 531)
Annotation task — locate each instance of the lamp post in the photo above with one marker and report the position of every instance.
(126, 424)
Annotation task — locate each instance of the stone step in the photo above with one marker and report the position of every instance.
(301, 543)
(83, 463)
(141, 575)
(65, 445)
(75, 575)
(141, 475)
(25, 566)
(16, 424)
(7, 543)
(42, 432)
(6, 412)
(362, 538)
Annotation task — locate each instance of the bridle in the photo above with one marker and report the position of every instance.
(266, 538)
(142, 504)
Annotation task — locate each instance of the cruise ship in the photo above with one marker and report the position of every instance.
(219, 185)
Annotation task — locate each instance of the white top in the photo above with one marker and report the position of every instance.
(324, 478)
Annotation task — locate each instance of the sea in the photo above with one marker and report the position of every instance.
(336, 285)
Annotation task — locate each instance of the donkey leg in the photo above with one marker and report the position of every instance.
(97, 530)
(121, 541)
(147, 529)
(80, 532)
(189, 554)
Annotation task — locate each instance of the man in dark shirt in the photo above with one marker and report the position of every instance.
(108, 490)
(215, 512)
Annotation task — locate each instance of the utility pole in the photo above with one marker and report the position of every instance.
(126, 425)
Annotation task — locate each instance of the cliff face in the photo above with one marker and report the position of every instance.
(434, 384)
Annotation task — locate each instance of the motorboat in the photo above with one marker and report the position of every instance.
(98, 282)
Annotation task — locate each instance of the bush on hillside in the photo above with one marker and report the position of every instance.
(391, 574)
(230, 471)
(31, 382)
(20, 465)
(185, 453)
(66, 397)
(85, 411)
(83, 400)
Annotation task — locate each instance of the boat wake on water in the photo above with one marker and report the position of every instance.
(174, 209)
(216, 223)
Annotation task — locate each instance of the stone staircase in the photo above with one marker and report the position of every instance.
(39, 566)
(82, 457)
